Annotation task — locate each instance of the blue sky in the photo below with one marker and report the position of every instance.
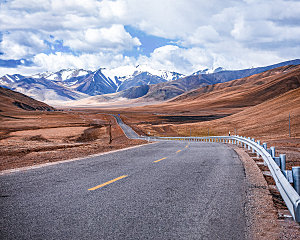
(148, 42)
(182, 35)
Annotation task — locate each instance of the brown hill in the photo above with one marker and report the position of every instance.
(14, 101)
(168, 90)
(234, 96)
(269, 118)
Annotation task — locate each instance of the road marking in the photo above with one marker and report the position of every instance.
(178, 151)
(109, 182)
(160, 160)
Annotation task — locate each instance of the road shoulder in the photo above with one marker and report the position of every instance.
(260, 212)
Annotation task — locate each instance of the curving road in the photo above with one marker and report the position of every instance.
(127, 130)
(165, 190)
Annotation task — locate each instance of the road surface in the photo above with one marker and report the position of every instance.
(127, 130)
(165, 190)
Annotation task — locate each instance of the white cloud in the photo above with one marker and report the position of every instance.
(55, 62)
(89, 26)
(112, 9)
(174, 58)
(203, 35)
(21, 44)
(114, 38)
(232, 33)
(189, 60)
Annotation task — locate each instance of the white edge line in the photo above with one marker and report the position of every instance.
(13, 170)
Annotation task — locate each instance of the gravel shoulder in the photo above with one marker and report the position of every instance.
(264, 220)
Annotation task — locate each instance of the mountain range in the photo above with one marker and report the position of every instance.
(121, 83)
(74, 84)
(258, 106)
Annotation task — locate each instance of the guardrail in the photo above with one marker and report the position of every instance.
(275, 164)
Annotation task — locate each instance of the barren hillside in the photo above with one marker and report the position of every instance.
(14, 101)
(231, 97)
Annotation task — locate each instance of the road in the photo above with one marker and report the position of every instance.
(164, 190)
(127, 130)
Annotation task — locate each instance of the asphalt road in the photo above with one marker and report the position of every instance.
(166, 190)
(127, 130)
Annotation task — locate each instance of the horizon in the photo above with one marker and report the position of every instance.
(188, 37)
(135, 67)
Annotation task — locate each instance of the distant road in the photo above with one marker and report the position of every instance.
(166, 190)
(127, 130)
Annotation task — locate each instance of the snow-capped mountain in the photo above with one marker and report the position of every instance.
(209, 71)
(40, 89)
(126, 72)
(70, 84)
(73, 84)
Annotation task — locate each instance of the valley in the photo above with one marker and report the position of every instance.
(258, 106)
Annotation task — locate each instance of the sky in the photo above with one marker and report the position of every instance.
(175, 35)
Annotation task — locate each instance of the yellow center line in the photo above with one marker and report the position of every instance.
(109, 182)
(160, 160)
(178, 151)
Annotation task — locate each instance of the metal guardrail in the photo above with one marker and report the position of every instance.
(281, 176)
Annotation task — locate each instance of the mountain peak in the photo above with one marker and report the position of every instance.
(209, 71)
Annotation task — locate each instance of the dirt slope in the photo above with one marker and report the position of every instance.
(14, 101)
(269, 118)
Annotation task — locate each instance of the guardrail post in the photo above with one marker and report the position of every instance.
(253, 148)
(257, 154)
(296, 178)
(269, 151)
(277, 160)
(272, 152)
(249, 148)
(282, 162)
(265, 146)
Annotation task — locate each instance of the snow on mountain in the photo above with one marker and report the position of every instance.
(219, 69)
(129, 76)
(9, 78)
(208, 71)
(95, 83)
(73, 84)
(125, 72)
(62, 75)
(40, 89)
